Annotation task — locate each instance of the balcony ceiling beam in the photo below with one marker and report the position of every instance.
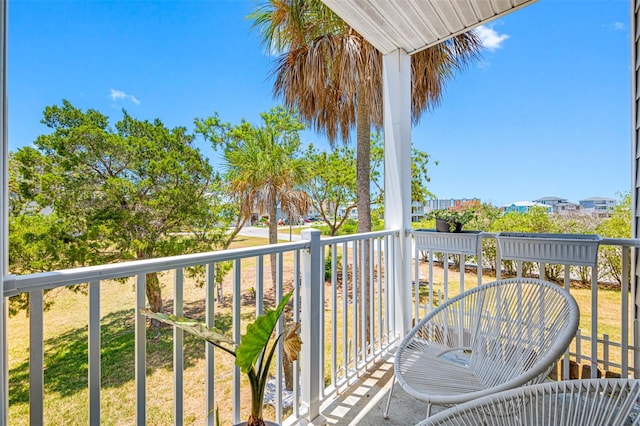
(414, 25)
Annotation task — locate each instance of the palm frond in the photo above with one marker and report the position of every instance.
(325, 69)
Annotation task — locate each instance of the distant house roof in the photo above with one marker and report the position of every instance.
(564, 200)
(525, 204)
(568, 203)
(598, 199)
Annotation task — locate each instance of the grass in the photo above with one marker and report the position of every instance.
(609, 303)
(66, 365)
(65, 345)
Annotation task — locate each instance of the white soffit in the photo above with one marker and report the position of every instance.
(414, 25)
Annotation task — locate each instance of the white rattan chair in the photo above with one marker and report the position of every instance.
(494, 337)
(571, 402)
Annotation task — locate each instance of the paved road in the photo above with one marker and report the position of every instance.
(263, 232)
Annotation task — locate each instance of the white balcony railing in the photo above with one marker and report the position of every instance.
(344, 334)
(345, 302)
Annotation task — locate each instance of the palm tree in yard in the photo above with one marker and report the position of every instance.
(265, 174)
(333, 77)
(264, 170)
(263, 166)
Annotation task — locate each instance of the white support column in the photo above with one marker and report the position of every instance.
(4, 212)
(310, 318)
(635, 176)
(396, 76)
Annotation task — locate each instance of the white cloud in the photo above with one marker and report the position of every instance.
(490, 38)
(119, 94)
(617, 26)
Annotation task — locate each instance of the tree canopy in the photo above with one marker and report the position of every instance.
(332, 184)
(116, 193)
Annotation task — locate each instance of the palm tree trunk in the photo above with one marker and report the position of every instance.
(363, 179)
(363, 165)
(273, 237)
(287, 365)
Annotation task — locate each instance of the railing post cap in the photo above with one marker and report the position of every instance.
(310, 234)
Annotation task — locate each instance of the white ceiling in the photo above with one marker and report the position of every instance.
(414, 25)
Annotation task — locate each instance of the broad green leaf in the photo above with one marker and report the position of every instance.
(197, 328)
(257, 336)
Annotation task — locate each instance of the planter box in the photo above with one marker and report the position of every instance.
(465, 242)
(444, 226)
(566, 249)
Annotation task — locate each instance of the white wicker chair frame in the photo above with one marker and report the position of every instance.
(571, 402)
(494, 337)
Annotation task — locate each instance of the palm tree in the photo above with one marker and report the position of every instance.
(333, 77)
(265, 172)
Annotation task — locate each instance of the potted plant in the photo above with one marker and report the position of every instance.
(450, 220)
(253, 354)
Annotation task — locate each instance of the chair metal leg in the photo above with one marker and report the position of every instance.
(386, 410)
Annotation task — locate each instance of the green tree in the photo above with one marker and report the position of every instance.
(617, 225)
(419, 173)
(420, 176)
(116, 193)
(485, 215)
(332, 184)
(573, 224)
(333, 76)
(37, 242)
(536, 220)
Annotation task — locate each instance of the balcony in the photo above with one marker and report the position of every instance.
(345, 377)
(346, 364)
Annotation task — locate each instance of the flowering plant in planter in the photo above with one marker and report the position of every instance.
(453, 220)
(253, 354)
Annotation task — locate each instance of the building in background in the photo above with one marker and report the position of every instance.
(551, 201)
(560, 206)
(595, 206)
(567, 209)
(598, 206)
(524, 207)
(418, 211)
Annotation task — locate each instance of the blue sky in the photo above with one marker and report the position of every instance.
(546, 112)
